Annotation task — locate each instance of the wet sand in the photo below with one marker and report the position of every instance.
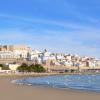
(9, 91)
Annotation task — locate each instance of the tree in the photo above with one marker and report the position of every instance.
(32, 68)
(38, 68)
(23, 68)
(4, 67)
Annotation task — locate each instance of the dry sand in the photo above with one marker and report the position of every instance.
(9, 91)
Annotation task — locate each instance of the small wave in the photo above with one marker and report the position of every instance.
(13, 81)
(81, 82)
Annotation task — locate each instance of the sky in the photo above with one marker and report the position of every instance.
(69, 26)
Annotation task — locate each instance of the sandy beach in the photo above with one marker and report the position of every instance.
(9, 91)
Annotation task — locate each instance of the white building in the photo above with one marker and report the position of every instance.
(34, 55)
(59, 57)
(67, 63)
(7, 55)
(68, 57)
(14, 51)
(45, 56)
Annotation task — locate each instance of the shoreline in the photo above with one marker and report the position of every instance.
(50, 87)
(10, 91)
(42, 74)
(47, 86)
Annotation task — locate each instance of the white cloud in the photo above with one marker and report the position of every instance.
(60, 23)
(59, 41)
(53, 42)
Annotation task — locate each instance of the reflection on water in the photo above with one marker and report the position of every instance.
(84, 82)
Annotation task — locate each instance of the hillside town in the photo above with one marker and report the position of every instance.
(14, 55)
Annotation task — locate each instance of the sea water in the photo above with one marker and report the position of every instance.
(81, 82)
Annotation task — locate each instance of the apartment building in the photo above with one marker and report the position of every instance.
(14, 51)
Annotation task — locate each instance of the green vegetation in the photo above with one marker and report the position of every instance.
(31, 68)
(4, 67)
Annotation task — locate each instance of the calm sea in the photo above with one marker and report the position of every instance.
(81, 82)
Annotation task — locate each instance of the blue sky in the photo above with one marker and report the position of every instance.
(71, 26)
